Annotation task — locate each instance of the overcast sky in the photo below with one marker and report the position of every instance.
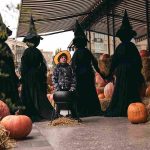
(50, 43)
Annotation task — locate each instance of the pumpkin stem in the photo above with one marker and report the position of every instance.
(17, 112)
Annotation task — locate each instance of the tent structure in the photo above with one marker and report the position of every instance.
(101, 16)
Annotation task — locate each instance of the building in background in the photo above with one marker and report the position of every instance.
(48, 55)
(142, 45)
(17, 48)
(99, 43)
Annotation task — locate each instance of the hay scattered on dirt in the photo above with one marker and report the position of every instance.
(64, 121)
(5, 141)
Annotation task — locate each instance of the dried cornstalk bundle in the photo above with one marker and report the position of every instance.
(146, 101)
(104, 65)
(146, 68)
(146, 61)
(5, 141)
(146, 74)
(104, 104)
(64, 121)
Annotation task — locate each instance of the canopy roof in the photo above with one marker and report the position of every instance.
(53, 16)
(136, 12)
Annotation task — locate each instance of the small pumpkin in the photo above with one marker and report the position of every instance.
(101, 96)
(144, 53)
(4, 110)
(147, 93)
(99, 80)
(108, 90)
(19, 126)
(98, 91)
(137, 113)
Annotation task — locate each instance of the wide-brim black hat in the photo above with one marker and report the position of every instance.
(32, 33)
(126, 28)
(79, 35)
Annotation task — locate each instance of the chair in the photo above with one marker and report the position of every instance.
(65, 100)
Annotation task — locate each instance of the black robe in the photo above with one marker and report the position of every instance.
(8, 78)
(83, 63)
(126, 67)
(34, 85)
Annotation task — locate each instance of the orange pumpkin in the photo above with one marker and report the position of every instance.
(19, 126)
(98, 91)
(99, 80)
(4, 110)
(108, 90)
(101, 96)
(144, 53)
(137, 113)
(147, 91)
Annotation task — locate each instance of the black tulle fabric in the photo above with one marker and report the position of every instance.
(126, 66)
(34, 86)
(83, 62)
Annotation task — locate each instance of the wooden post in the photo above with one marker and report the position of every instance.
(148, 23)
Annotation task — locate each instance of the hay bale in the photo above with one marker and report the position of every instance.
(5, 141)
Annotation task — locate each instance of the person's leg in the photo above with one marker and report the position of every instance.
(74, 108)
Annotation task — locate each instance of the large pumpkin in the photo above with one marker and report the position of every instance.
(4, 110)
(108, 90)
(137, 113)
(19, 126)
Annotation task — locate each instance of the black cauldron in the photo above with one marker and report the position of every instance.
(63, 96)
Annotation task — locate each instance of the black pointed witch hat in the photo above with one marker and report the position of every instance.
(4, 31)
(80, 39)
(125, 33)
(32, 33)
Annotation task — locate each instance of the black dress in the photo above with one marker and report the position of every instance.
(34, 86)
(126, 67)
(83, 62)
(8, 78)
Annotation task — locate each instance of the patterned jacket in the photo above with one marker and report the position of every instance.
(64, 78)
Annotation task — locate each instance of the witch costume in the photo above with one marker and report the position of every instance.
(126, 67)
(8, 78)
(34, 79)
(83, 63)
